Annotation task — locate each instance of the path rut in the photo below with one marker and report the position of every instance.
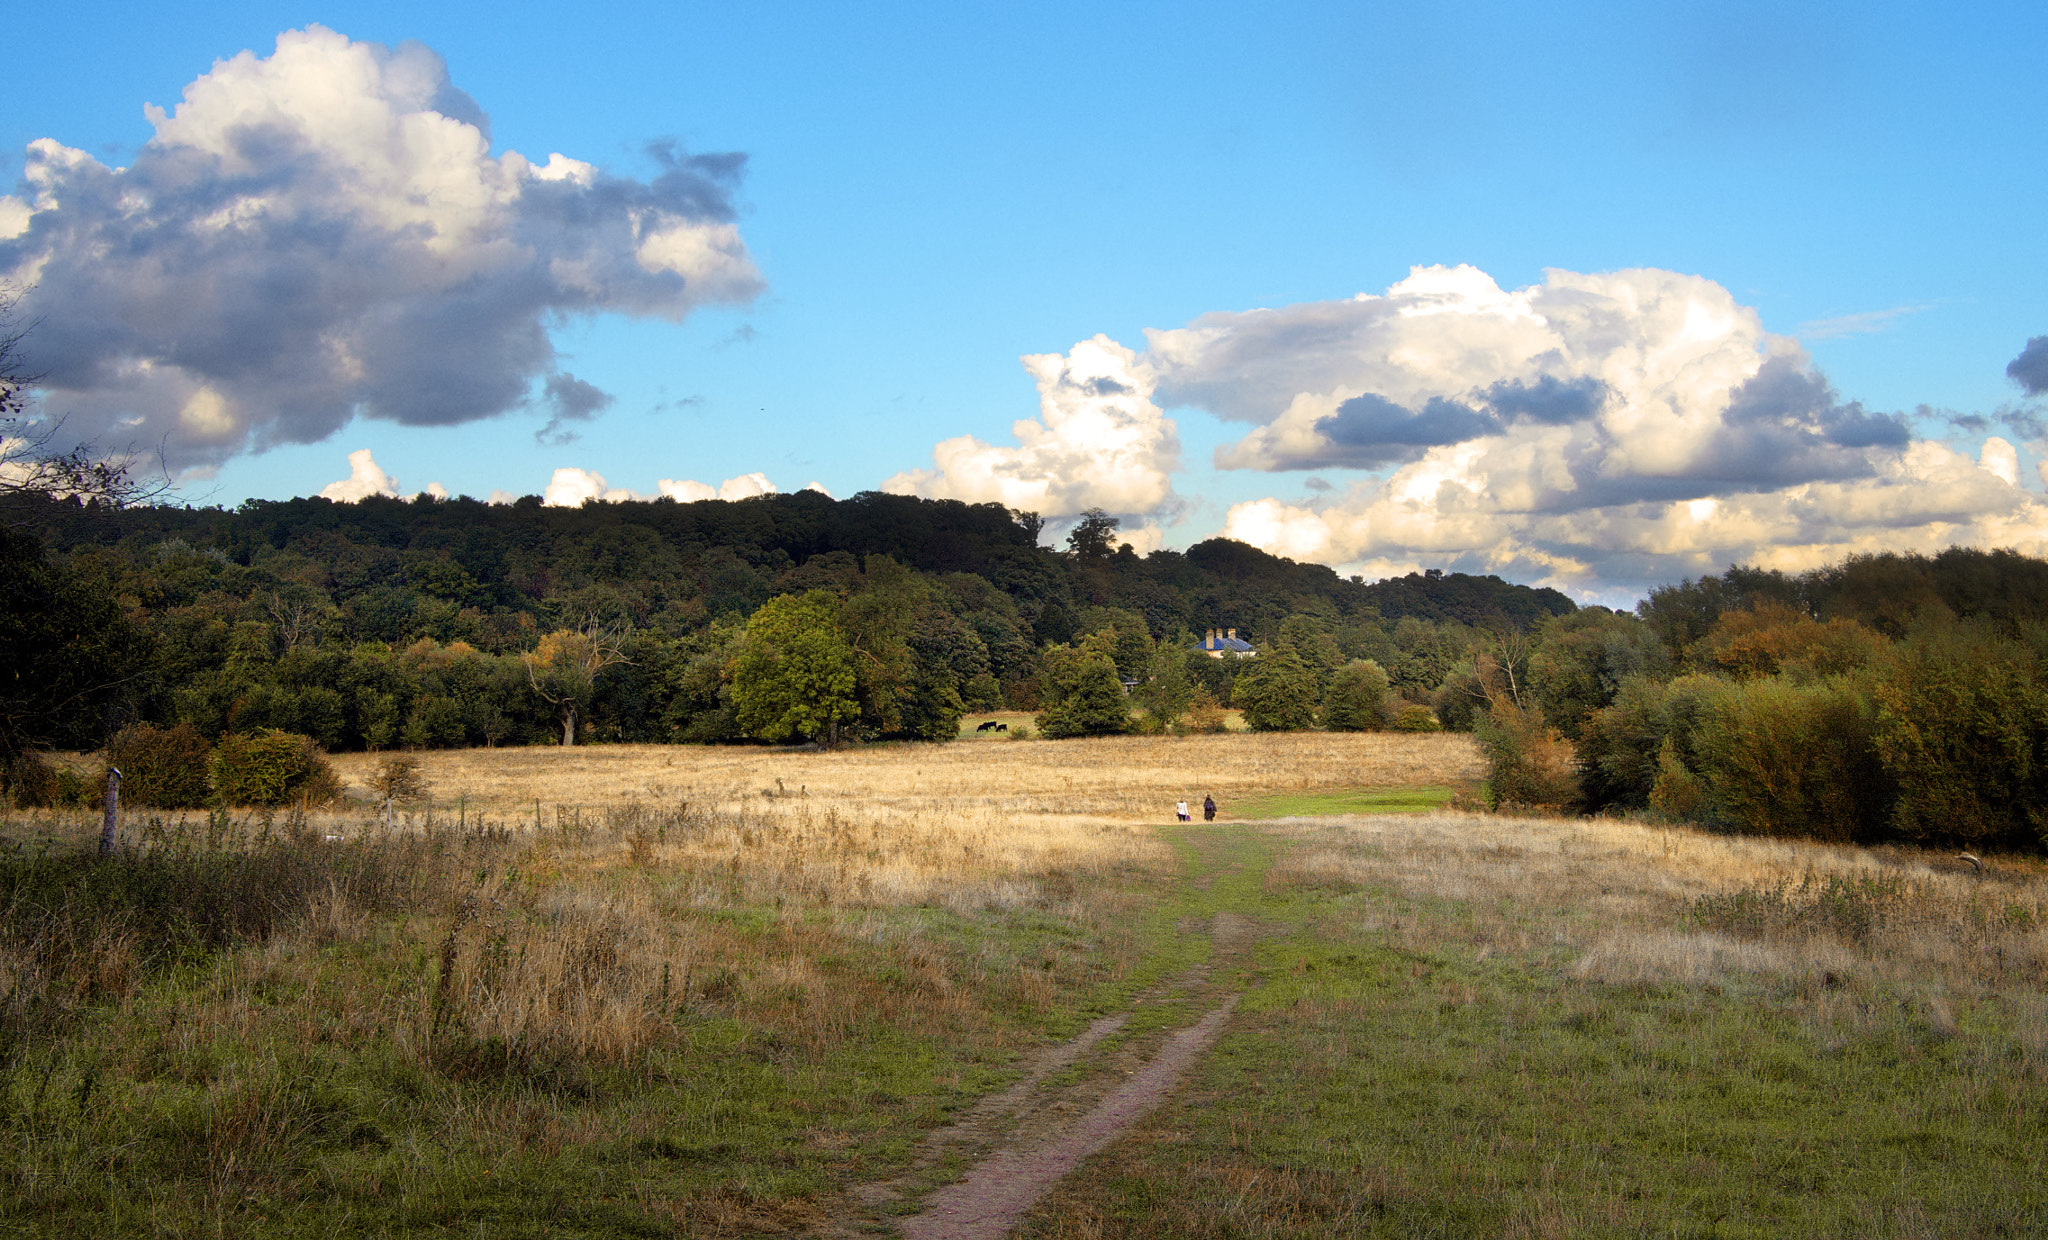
(1030, 1135)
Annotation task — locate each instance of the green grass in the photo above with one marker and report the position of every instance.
(1330, 803)
(283, 1087)
(1398, 1066)
(1382, 1078)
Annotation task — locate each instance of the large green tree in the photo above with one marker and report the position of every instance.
(69, 660)
(1278, 694)
(1081, 691)
(1357, 699)
(794, 677)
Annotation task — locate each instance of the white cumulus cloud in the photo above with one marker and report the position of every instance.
(746, 486)
(1597, 432)
(570, 487)
(1099, 442)
(324, 233)
(367, 478)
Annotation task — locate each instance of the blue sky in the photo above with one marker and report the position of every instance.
(931, 192)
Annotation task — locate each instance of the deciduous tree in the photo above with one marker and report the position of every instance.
(564, 669)
(795, 673)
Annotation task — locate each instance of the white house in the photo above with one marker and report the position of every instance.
(1225, 644)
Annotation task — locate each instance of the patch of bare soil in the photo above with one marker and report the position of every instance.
(1021, 1141)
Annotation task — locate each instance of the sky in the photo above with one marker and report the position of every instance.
(1593, 299)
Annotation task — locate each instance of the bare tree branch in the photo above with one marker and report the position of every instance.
(30, 464)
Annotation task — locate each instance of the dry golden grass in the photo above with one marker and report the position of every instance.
(963, 826)
(1133, 777)
(1616, 893)
(580, 904)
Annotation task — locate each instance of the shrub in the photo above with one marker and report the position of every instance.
(1528, 762)
(271, 768)
(1459, 699)
(1415, 717)
(1962, 727)
(1802, 761)
(33, 781)
(1204, 717)
(1620, 744)
(398, 778)
(162, 767)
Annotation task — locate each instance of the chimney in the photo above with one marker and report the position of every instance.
(1233, 635)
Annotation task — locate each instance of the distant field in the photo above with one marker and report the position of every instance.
(1126, 777)
(970, 725)
(1340, 801)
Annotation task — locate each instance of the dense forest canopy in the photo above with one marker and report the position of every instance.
(1889, 696)
(431, 621)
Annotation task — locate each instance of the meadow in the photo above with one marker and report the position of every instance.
(649, 991)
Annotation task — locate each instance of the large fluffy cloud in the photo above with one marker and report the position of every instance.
(1673, 389)
(367, 478)
(1593, 430)
(1597, 432)
(324, 233)
(1099, 442)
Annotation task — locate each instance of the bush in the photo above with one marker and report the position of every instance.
(271, 768)
(1205, 716)
(1528, 762)
(1459, 700)
(32, 780)
(162, 767)
(398, 778)
(1782, 759)
(1415, 717)
(1962, 727)
(1619, 747)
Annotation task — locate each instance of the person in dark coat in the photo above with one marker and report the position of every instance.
(1208, 809)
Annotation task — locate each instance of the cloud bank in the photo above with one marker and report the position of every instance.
(1591, 431)
(569, 488)
(324, 233)
(1598, 432)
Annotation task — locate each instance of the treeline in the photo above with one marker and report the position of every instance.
(1887, 697)
(425, 623)
(1890, 697)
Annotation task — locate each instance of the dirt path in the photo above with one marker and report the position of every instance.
(993, 1197)
(1021, 1141)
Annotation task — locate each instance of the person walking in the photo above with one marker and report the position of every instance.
(1208, 809)
(1180, 812)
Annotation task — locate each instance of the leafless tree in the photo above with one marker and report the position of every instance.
(30, 461)
(296, 618)
(564, 668)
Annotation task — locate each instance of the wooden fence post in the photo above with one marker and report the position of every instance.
(111, 828)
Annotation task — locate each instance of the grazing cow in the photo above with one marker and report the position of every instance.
(990, 726)
(1002, 727)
